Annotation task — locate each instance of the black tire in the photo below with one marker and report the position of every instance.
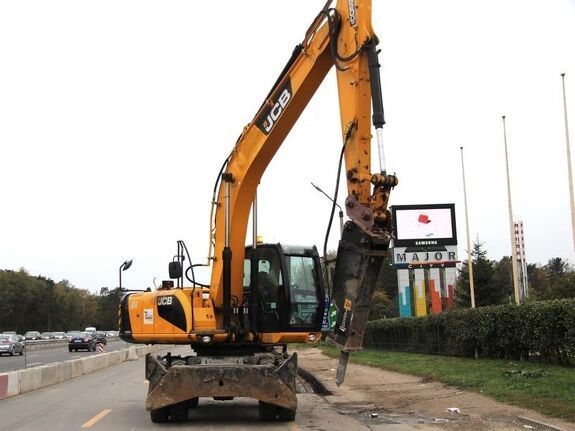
(270, 412)
(267, 411)
(285, 415)
(12, 352)
(21, 351)
(179, 412)
(160, 415)
(69, 349)
(93, 348)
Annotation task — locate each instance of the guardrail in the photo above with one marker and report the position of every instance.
(26, 380)
(32, 345)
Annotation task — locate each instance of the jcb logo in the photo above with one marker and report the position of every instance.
(165, 300)
(351, 8)
(268, 119)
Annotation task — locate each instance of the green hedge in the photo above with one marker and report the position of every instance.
(542, 331)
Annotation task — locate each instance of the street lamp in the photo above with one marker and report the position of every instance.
(124, 267)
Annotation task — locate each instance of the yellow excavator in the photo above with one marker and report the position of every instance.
(263, 296)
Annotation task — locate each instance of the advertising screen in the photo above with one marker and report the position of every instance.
(424, 225)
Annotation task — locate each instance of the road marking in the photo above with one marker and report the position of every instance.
(96, 418)
(34, 363)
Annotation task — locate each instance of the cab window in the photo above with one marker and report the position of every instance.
(303, 290)
(269, 279)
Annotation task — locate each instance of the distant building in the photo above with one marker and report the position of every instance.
(521, 260)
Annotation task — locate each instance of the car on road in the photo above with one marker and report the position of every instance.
(58, 335)
(46, 336)
(82, 341)
(71, 334)
(9, 343)
(32, 335)
(100, 338)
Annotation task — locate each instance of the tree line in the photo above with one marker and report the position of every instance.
(38, 303)
(493, 283)
(493, 280)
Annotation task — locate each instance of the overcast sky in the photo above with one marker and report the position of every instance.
(115, 117)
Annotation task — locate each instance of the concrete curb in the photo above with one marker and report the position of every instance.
(22, 381)
(9, 384)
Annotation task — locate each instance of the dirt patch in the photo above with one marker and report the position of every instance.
(379, 396)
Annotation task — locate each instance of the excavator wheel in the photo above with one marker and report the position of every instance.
(179, 412)
(160, 415)
(270, 412)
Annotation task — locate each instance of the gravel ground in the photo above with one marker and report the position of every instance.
(379, 396)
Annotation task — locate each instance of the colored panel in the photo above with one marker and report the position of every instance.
(450, 277)
(419, 290)
(434, 290)
(404, 290)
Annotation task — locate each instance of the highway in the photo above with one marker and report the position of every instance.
(34, 358)
(113, 399)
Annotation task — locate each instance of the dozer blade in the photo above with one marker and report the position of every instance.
(267, 382)
(359, 259)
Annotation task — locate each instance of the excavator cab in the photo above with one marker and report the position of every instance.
(286, 287)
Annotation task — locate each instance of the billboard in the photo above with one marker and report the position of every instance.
(424, 225)
(431, 257)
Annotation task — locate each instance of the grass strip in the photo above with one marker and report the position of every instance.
(548, 389)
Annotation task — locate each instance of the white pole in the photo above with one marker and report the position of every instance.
(569, 161)
(511, 224)
(469, 261)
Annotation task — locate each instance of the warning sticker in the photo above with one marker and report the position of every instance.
(148, 316)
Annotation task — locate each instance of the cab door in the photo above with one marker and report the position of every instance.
(270, 294)
(305, 293)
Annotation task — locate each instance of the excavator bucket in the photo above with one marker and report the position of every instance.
(359, 259)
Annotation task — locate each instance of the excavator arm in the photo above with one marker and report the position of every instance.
(342, 37)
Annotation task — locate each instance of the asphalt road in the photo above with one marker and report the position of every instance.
(34, 358)
(113, 399)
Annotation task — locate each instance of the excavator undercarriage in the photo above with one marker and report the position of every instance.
(177, 382)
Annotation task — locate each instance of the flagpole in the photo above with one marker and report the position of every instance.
(469, 261)
(569, 170)
(511, 224)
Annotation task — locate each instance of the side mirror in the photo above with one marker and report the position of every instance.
(175, 270)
